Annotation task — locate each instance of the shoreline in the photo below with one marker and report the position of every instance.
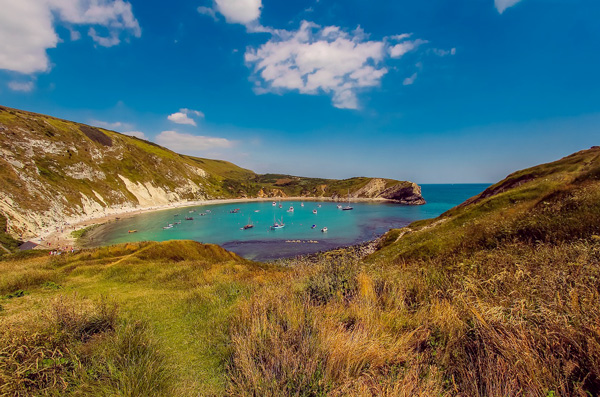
(62, 239)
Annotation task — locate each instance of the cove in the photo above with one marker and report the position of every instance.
(223, 223)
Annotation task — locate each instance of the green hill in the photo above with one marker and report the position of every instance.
(498, 296)
(54, 171)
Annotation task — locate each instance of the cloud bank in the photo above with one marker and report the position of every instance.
(27, 28)
(315, 60)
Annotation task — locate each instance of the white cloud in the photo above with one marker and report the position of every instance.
(182, 117)
(239, 11)
(244, 12)
(208, 11)
(137, 134)
(398, 50)
(410, 80)
(75, 35)
(315, 59)
(443, 53)
(190, 144)
(21, 86)
(502, 5)
(27, 28)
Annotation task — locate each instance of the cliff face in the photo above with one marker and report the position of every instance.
(55, 171)
(407, 193)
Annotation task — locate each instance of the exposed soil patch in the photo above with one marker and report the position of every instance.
(96, 135)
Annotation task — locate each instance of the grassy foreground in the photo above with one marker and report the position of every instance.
(499, 296)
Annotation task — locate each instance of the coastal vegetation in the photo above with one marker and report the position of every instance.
(498, 296)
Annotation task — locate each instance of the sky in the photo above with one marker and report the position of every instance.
(436, 91)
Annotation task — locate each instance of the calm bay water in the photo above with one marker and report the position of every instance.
(220, 226)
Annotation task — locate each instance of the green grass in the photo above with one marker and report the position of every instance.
(180, 296)
(7, 241)
(80, 234)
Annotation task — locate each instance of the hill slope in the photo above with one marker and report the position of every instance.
(54, 171)
(498, 296)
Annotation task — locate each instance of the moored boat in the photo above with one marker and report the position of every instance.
(324, 229)
(277, 225)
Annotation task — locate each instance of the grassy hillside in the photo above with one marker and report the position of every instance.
(53, 171)
(137, 319)
(499, 296)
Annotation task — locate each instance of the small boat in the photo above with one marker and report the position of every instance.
(133, 231)
(315, 212)
(234, 211)
(250, 225)
(256, 210)
(313, 226)
(277, 225)
(324, 230)
(291, 209)
(280, 206)
(178, 223)
(189, 218)
(348, 207)
(167, 227)
(207, 211)
(339, 207)
(319, 205)
(189, 212)
(274, 203)
(301, 204)
(175, 215)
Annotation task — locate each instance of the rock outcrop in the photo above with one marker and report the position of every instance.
(408, 193)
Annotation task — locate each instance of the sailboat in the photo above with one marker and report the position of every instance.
(348, 207)
(250, 225)
(277, 225)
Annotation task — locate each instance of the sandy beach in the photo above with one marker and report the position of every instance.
(61, 237)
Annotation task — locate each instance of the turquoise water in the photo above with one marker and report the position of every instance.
(221, 226)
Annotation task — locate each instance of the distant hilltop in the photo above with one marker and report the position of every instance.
(54, 171)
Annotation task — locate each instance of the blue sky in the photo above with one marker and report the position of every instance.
(431, 91)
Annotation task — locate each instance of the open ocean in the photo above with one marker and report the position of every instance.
(219, 226)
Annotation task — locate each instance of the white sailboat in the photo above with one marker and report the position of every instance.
(348, 207)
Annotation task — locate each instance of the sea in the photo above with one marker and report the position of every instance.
(303, 231)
